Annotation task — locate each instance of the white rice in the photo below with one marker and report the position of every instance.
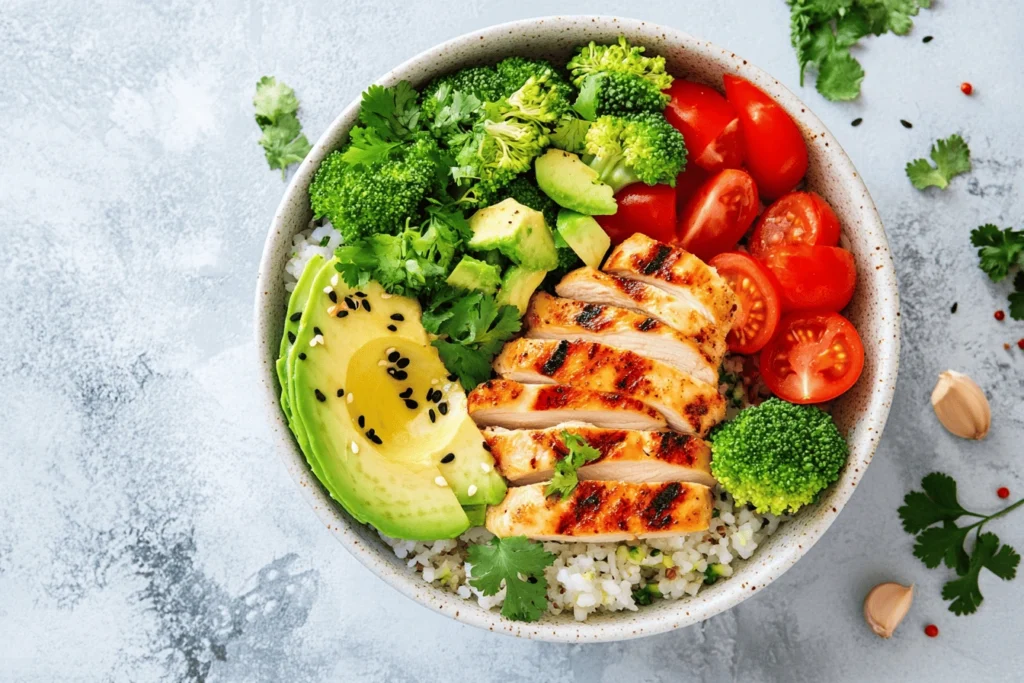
(586, 577)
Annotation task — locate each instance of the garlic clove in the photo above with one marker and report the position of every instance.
(961, 406)
(886, 605)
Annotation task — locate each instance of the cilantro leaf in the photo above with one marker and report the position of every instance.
(472, 366)
(282, 141)
(282, 147)
(937, 503)
(565, 478)
(391, 112)
(367, 147)
(964, 591)
(1017, 297)
(951, 156)
(840, 76)
(455, 111)
(273, 100)
(999, 250)
(937, 545)
(519, 564)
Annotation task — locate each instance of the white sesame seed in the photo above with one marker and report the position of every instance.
(446, 387)
(332, 310)
(439, 480)
(485, 467)
(355, 446)
(334, 280)
(350, 397)
(471, 490)
(381, 363)
(434, 382)
(328, 290)
(318, 339)
(389, 351)
(385, 295)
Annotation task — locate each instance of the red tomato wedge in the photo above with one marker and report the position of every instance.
(795, 218)
(812, 277)
(687, 184)
(759, 306)
(650, 209)
(718, 214)
(773, 147)
(814, 356)
(708, 123)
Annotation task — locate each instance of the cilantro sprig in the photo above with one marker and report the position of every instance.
(999, 251)
(283, 142)
(565, 478)
(951, 156)
(519, 564)
(823, 31)
(931, 515)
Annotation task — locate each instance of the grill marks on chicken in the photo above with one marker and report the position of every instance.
(603, 511)
(689, 406)
(526, 456)
(551, 317)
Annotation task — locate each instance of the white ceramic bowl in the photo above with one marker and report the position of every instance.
(861, 413)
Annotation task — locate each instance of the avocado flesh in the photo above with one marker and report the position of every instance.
(392, 486)
(518, 286)
(475, 275)
(573, 185)
(584, 235)
(517, 231)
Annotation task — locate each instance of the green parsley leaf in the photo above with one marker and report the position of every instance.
(840, 76)
(391, 112)
(517, 563)
(367, 147)
(951, 156)
(937, 503)
(999, 250)
(282, 148)
(472, 366)
(273, 100)
(934, 545)
(565, 478)
(964, 591)
(456, 112)
(1017, 297)
(282, 140)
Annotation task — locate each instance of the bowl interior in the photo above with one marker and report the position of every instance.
(860, 413)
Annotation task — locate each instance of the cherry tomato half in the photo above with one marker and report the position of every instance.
(795, 218)
(813, 357)
(687, 184)
(718, 214)
(759, 306)
(650, 209)
(812, 277)
(773, 147)
(708, 123)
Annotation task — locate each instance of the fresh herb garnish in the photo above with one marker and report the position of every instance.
(283, 141)
(519, 563)
(998, 252)
(951, 156)
(823, 31)
(564, 480)
(931, 515)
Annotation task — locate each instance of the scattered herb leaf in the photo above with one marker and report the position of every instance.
(951, 156)
(282, 140)
(998, 250)
(519, 564)
(565, 478)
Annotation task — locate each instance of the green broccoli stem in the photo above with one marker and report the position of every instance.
(613, 171)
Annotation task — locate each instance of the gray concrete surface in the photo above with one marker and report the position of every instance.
(147, 529)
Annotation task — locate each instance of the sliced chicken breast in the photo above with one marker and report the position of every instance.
(526, 456)
(593, 286)
(689, 406)
(602, 511)
(504, 403)
(550, 317)
(677, 272)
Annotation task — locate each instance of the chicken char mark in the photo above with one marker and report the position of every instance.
(629, 376)
(655, 508)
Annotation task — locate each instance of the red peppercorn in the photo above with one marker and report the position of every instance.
(1000, 315)
(1020, 343)
(1003, 492)
(931, 630)
(966, 88)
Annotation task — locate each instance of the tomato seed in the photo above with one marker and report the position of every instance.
(1000, 316)
(966, 88)
(931, 630)
(1003, 492)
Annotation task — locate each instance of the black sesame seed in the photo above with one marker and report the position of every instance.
(402, 362)
(342, 313)
(371, 432)
(406, 394)
(411, 404)
(319, 395)
(393, 356)
(374, 438)
(341, 392)
(442, 408)
(350, 303)
(452, 377)
(392, 328)
(532, 579)
(397, 316)
(333, 296)
(432, 414)
(366, 305)
(430, 395)
(400, 374)
(487, 446)
(361, 295)
(906, 124)
(296, 317)
(953, 308)
(291, 337)
(302, 356)
(856, 122)
(316, 330)
(927, 39)
(362, 421)
(448, 458)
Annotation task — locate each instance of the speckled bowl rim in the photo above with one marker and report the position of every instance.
(875, 267)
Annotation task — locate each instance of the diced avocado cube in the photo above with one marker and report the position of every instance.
(585, 235)
(517, 231)
(475, 275)
(518, 286)
(573, 185)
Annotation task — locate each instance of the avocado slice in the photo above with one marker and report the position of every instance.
(573, 185)
(517, 231)
(475, 275)
(366, 376)
(518, 286)
(296, 302)
(584, 235)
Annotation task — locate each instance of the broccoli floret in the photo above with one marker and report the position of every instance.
(639, 147)
(515, 71)
(480, 81)
(524, 190)
(778, 456)
(621, 57)
(379, 197)
(618, 93)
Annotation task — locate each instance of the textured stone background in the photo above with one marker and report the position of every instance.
(147, 529)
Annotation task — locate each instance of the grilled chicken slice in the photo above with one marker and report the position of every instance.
(550, 317)
(503, 403)
(593, 286)
(525, 456)
(689, 406)
(677, 272)
(602, 511)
